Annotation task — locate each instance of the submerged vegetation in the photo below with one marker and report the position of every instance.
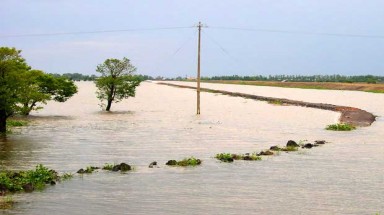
(340, 127)
(185, 162)
(6, 202)
(16, 123)
(228, 157)
(27, 181)
(123, 167)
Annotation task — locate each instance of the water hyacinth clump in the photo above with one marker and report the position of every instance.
(11, 181)
(340, 127)
(185, 162)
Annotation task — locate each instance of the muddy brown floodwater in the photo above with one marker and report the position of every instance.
(345, 176)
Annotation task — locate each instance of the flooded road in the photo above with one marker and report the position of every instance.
(343, 177)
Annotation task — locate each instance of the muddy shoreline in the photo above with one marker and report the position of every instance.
(350, 115)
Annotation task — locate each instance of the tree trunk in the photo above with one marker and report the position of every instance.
(3, 121)
(109, 105)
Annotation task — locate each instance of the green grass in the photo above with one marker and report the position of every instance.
(108, 166)
(16, 123)
(374, 91)
(340, 127)
(275, 102)
(185, 162)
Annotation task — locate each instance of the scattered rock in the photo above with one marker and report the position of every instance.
(3, 190)
(320, 142)
(247, 158)
(275, 148)
(171, 163)
(153, 164)
(308, 145)
(266, 153)
(125, 167)
(81, 171)
(53, 183)
(28, 187)
(292, 143)
(116, 168)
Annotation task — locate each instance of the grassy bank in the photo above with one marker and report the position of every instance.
(374, 88)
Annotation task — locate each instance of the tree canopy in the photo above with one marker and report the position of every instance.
(22, 88)
(117, 81)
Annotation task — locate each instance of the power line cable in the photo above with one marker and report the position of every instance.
(91, 32)
(221, 48)
(300, 32)
(180, 47)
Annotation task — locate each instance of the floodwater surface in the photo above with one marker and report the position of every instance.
(345, 176)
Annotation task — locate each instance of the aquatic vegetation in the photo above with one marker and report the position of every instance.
(275, 102)
(66, 176)
(185, 162)
(88, 170)
(27, 181)
(16, 123)
(340, 127)
(225, 157)
(108, 166)
(6, 202)
(228, 157)
(290, 149)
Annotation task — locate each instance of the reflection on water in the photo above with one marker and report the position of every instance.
(343, 177)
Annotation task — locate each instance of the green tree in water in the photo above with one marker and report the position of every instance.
(21, 88)
(116, 82)
(12, 69)
(39, 87)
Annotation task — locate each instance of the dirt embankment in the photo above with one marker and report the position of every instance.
(378, 88)
(350, 115)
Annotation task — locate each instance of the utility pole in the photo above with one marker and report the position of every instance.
(198, 69)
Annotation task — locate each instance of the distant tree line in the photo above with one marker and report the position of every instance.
(76, 76)
(82, 77)
(303, 78)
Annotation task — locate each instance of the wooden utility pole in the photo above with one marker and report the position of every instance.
(198, 69)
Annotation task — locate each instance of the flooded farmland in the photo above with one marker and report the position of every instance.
(345, 176)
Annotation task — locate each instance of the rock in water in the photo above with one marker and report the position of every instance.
(28, 187)
(80, 171)
(153, 164)
(275, 148)
(171, 163)
(292, 143)
(266, 153)
(308, 145)
(116, 168)
(320, 142)
(125, 167)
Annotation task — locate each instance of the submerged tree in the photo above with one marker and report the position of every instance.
(116, 82)
(21, 88)
(12, 69)
(39, 87)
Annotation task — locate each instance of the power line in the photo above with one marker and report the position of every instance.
(300, 32)
(221, 47)
(90, 32)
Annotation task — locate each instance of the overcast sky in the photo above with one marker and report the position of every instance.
(281, 47)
